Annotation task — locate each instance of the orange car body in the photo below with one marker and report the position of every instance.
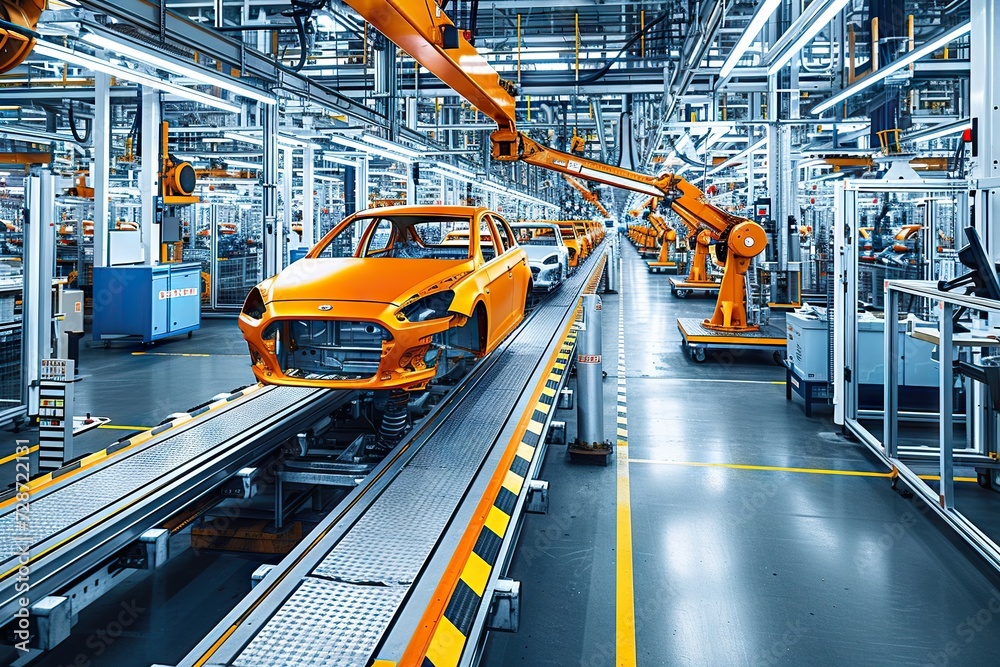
(379, 299)
(576, 244)
(585, 233)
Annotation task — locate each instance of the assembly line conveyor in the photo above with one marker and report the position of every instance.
(358, 589)
(89, 511)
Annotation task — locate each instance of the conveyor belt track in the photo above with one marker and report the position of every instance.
(332, 599)
(88, 513)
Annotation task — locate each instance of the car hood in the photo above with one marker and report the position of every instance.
(382, 280)
(538, 253)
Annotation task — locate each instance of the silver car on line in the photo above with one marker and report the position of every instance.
(548, 256)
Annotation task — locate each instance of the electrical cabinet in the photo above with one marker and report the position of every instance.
(809, 345)
(150, 302)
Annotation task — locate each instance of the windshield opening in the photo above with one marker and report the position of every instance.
(400, 237)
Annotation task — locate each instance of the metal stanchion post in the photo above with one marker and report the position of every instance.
(611, 268)
(590, 439)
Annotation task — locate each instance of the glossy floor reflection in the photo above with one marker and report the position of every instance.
(739, 566)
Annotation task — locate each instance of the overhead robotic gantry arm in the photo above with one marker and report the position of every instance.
(424, 31)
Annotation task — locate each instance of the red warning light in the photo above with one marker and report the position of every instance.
(467, 34)
(967, 135)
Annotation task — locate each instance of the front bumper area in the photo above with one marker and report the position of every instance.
(351, 345)
(545, 277)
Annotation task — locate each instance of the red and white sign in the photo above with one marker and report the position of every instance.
(588, 358)
(176, 293)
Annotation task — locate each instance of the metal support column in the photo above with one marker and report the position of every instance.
(386, 84)
(270, 241)
(287, 160)
(149, 174)
(308, 199)
(39, 255)
(350, 190)
(891, 377)
(100, 166)
(361, 183)
(611, 268)
(946, 407)
(412, 178)
(602, 138)
(590, 440)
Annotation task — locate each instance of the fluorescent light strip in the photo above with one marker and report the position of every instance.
(368, 148)
(284, 140)
(347, 162)
(469, 177)
(243, 164)
(756, 24)
(388, 145)
(98, 65)
(747, 154)
(896, 65)
(245, 138)
(939, 132)
(811, 31)
(624, 183)
(176, 67)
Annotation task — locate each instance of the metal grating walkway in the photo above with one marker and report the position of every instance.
(76, 512)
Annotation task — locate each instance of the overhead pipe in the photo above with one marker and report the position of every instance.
(685, 72)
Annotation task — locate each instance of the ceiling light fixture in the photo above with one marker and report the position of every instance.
(391, 146)
(881, 73)
(118, 47)
(94, 63)
(760, 17)
(739, 158)
(939, 132)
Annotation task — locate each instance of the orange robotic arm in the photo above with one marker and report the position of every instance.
(665, 235)
(432, 39)
(18, 39)
(906, 233)
(588, 196)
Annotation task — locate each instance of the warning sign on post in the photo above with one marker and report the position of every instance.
(588, 358)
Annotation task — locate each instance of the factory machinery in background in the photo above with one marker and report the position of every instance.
(432, 39)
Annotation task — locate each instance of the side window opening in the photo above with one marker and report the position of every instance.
(487, 242)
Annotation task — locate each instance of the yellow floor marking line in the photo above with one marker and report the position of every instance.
(124, 427)
(625, 653)
(937, 478)
(182, 354)
(8, 459)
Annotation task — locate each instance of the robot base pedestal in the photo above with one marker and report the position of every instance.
(697, 338)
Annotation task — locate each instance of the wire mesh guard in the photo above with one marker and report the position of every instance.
(235, 276)
(10, 368)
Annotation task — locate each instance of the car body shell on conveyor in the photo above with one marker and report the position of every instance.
(376, 303)
(548, 256)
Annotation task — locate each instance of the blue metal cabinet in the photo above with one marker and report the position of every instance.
(185, 310)
(150, 302)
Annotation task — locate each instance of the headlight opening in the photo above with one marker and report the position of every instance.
(431, 307)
